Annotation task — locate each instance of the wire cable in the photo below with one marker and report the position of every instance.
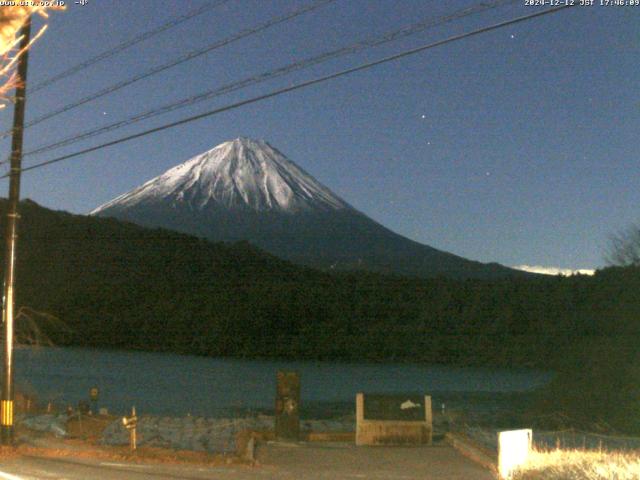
(281, 71)
(295, 87)
(182, 59)
(126, 44)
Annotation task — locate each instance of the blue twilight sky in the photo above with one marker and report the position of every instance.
(519, 146)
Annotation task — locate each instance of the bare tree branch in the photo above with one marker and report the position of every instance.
(624, 248)
(12, 18)
(30, 326)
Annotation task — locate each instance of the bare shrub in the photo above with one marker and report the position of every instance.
(32, 327)
(624, 249)
(12, 18)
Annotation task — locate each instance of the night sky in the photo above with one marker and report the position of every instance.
(519, 146)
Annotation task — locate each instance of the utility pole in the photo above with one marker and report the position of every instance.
(11, 237)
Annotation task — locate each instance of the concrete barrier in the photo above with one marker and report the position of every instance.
(214, 435)
(473, 450)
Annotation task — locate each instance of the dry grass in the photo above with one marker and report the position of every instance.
(581, 464)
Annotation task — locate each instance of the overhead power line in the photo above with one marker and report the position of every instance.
(182, 59)
(378, 40)
(174, 22)
(298, 86)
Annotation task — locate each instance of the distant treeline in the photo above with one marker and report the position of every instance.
(118, 285)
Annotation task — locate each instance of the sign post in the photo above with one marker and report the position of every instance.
(288, 406)
(130, 424)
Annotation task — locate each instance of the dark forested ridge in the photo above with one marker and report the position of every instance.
(119, 285)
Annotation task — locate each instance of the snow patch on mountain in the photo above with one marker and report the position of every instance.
(242, 173)
(555, 270)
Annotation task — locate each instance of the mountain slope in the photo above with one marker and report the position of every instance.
(247, 190)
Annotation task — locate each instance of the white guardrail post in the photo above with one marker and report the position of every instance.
(514, 447)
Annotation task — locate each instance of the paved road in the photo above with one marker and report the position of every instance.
(346, 461)
(276, 461)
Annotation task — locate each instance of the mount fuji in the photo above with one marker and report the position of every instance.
(246, 190)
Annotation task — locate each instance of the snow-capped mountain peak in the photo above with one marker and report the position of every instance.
(241, 173)
(246, 190)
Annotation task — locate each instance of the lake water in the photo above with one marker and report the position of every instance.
(167, 384)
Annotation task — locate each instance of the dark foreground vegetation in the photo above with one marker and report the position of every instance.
(118, 285)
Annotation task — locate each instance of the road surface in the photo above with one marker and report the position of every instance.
(279, 461)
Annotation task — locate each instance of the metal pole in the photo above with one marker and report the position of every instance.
(11, 236)
(133, 439)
